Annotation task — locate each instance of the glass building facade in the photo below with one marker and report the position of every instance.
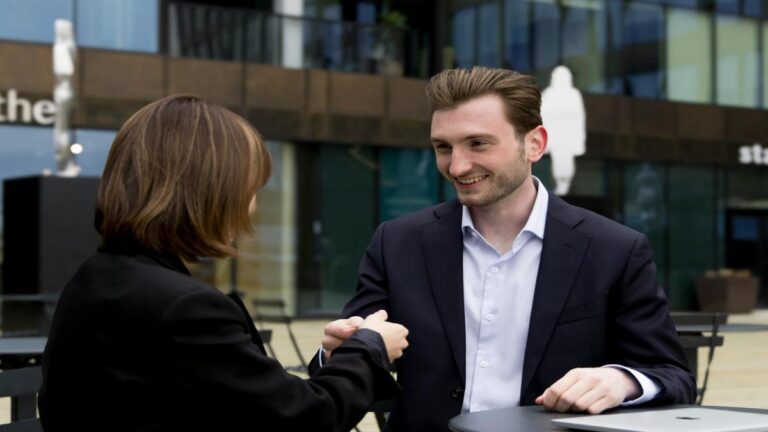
(711, 52)
(317, 213)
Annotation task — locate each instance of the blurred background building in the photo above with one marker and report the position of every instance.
(675, 93)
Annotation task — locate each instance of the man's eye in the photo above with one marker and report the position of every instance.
(478, 143)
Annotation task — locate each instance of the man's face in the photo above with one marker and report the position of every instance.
(477, 150)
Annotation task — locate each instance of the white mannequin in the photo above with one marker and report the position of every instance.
(564, 117)
(64, 55)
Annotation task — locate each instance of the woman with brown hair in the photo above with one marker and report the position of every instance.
(137, 344)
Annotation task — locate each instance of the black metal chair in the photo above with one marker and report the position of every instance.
(697, 330)
(22, 385)
(273, 311)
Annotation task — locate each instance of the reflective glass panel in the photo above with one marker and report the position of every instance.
(130, 25)
(643, 48)
(408, 181)
(464, 37)
(32, 20)
(645, 207)
(543, 171)
(589, 179)
(736, 57)
(691, 233)
(545, 38)
(516, 35)
(346, 220)
(96, 145)
(689, 56)
(488, 35)
(727, 6)
(765, 66)
(584, 43)
(747, 187)
(266, 267)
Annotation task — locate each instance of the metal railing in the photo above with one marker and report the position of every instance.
(234, 34)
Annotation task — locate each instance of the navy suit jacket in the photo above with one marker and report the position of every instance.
(596, 302)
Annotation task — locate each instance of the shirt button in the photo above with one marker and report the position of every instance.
(483, 363)
(457, 392)
(494, 269)
(489, 317)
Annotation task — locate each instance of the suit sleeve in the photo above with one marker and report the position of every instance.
(210, 353)
(372, 291)
(645, 338)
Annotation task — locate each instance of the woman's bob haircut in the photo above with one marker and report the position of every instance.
(180, 176)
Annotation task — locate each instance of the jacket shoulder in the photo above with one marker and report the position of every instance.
(589, 222)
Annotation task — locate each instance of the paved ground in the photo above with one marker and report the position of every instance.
(738, 376)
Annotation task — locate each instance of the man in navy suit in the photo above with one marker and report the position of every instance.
(511, 295)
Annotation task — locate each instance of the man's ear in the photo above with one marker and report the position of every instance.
(536, 143)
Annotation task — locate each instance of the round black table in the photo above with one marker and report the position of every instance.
(536, 419)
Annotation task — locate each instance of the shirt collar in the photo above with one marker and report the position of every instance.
(536, 220)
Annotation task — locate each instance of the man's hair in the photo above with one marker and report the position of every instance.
(521, 96)
(180, 176)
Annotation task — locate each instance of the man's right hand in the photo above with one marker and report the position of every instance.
(336, 332)
(394, 335)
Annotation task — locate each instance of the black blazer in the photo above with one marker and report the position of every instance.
(596, 302)
(137, 344)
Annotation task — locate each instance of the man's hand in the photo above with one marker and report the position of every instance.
(336, 332)
(394, 335)
(590, 389)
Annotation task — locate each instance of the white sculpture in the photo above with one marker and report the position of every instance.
(64, 56)
(564, 117)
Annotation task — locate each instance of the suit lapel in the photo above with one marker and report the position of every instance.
(443, 251)
(562, 252)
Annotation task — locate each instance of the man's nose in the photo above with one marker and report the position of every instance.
(460, 163)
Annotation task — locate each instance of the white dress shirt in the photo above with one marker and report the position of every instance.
(498, 297)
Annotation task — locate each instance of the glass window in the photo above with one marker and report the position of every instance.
(644, 207)
(643, 48)
(736, 56)
(727, 6)
(589, 179)
(464, 37)
(689, 58)
(516, 35)
(584, 43)
(753, 8)
(747, 187)
(692, 231)
(345, 221)
(614, 67)
(543, 171)
(96, 145)
(545, 38)
(686, 3)
(266, 267)
(130, 25)
(765, 66)
(408, 181)
(32, 20)
(488, 35)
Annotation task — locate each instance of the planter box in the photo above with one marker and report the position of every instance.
(731, 294)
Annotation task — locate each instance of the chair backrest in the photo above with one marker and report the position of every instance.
(278, 315)
(22, 385)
